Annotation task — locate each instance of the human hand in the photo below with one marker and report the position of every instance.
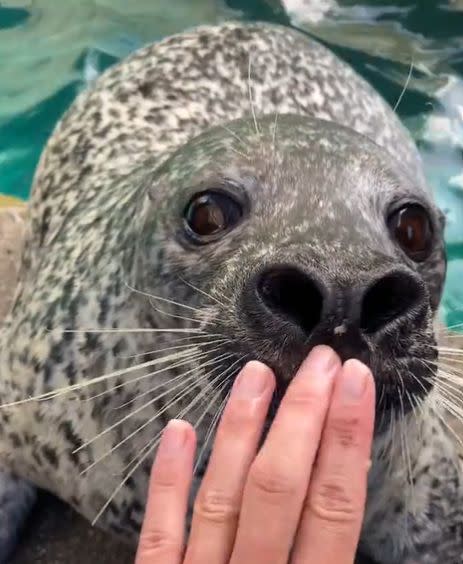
(299, 499)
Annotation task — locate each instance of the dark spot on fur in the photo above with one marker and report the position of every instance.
(71, 373)
(104, 303)
(130, 483)
(145, 89)
(15, 440)
(50, 455)
(74, 440)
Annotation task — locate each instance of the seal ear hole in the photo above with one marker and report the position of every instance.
(293, 295)
(411, 227)
(388, 299)
(210, 214)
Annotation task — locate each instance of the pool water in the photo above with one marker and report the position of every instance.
(411, 51)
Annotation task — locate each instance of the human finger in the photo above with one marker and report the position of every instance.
(332, 516)
(162, 535)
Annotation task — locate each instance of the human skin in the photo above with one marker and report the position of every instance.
(299, 498)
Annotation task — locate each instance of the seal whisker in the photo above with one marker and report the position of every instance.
(450, 350)
(251, 101)
(448, 392)
(409, 397)
(167, 300)
(457, 336)
(453, 406)
(417, 380)
(450, 406)
(146, 454)
(203, 342)
(216, 360)
(156, 437)
(199, 355)
(446, 375)
(138, 410)
(407, 82)
(66, 389)
(211, 430)
(406, 452)
(181, 413)
(274, 134)
(176, 316)
(449, 428)
(237, 137)
(452, 356)
(393, 436)
(239, 153)
(152, 445)
(204, 293)
(450, 372)
(442, 369)
(453, 361)
(185, 410)
(180, 395)
(450, 383)
(140, 330)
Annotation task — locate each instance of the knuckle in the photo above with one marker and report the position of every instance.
(345, 430)
(156, 541)
(306, 398)
(272, 483)
(216, 507)
(333, 503)
(165, 479)
(237, 419)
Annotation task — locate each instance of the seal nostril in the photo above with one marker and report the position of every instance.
(293, 295)
(389, 299)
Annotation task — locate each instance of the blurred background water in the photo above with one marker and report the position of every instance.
(52, 49)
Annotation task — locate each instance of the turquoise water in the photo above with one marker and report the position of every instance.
(51, 50)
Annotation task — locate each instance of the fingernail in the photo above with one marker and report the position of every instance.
(322, 358)
(253, 380)
(353, 380)
(174, 437)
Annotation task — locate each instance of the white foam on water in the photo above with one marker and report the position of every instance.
(308, 11)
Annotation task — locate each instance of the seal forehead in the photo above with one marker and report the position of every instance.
(297, 137)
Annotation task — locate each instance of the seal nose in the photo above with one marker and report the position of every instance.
(307, 302)
(389, 299)
(294, 295)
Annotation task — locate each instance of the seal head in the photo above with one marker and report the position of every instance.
(309, 234)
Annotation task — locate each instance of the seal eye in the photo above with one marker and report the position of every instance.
(411, 227)
(210, 214)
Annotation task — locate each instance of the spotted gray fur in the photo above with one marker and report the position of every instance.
(318, 168)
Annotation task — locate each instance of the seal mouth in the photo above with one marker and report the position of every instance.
(403, 364)
(398, 346)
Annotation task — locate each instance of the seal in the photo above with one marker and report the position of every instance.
(232, 192)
